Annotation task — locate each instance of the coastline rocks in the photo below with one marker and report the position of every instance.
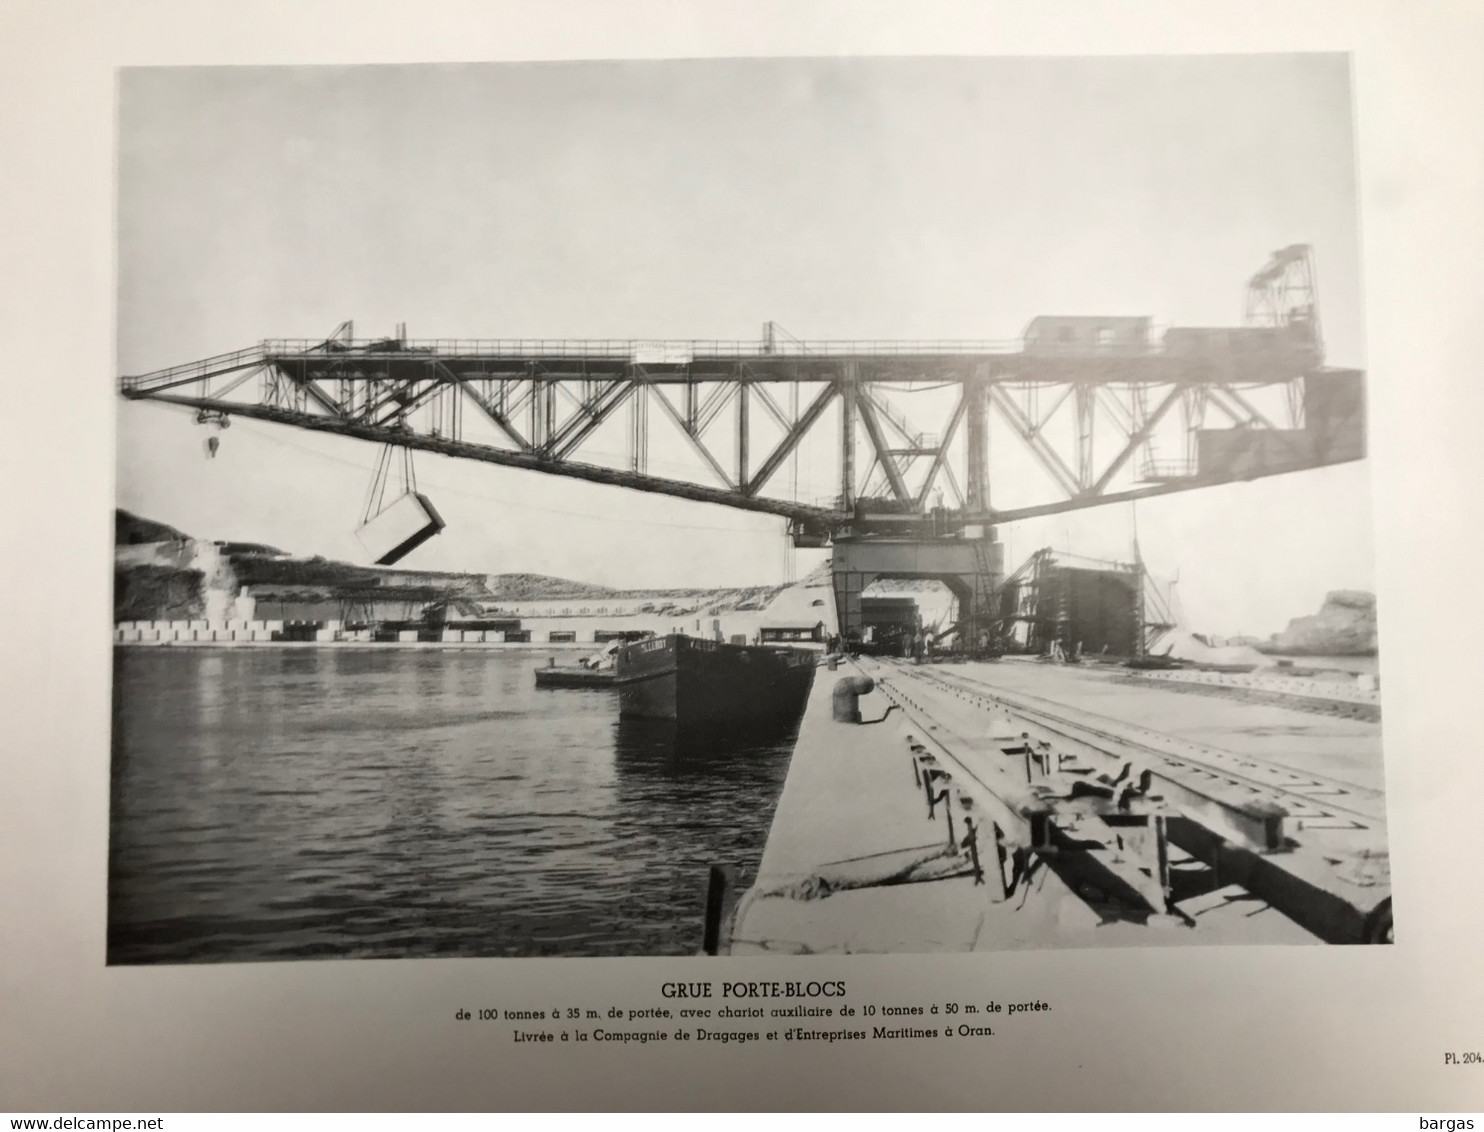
(1344, 626)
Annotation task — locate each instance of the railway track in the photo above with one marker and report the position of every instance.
(1272, 697)
(1310, 844)
(1311, 797)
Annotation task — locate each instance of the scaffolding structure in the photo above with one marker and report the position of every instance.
(1067, 605)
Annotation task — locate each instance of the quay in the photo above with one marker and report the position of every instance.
(1021, 804)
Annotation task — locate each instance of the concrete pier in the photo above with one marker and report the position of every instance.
(854, 863)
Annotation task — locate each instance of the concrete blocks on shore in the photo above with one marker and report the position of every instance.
(239, 631)
(236, 631)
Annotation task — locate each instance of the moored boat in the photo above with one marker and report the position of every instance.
(594, 671)
(573, 676)
(697, 681)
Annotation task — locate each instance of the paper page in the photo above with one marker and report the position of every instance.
(833, 558)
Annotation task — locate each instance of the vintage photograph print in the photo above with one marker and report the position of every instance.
(766, 506)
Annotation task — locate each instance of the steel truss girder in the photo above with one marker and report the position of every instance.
(574, 469)
(791, 438)
(1098, 418)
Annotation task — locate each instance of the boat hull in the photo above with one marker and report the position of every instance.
(695, 681)
(572, 676)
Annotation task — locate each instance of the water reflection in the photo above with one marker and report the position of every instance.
(650, 746)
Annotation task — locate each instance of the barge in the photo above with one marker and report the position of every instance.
(594, 671)
(573, 676)
(697, 681)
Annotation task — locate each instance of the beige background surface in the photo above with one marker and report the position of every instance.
(1179, 1028)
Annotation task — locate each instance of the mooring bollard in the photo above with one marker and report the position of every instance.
(846, 698)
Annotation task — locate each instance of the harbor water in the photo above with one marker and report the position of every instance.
(290, 803)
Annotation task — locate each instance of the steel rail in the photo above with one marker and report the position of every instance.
(1035, 822)
(1204, 756)
(1336, 886)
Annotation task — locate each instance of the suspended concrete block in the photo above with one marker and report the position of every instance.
(399, 528)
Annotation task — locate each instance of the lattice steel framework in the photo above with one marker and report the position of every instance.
(1098, 412)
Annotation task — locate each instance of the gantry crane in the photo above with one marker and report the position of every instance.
(1106, 408)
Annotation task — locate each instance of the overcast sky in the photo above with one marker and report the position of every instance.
(929, 198)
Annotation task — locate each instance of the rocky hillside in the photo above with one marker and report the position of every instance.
(151, 592)
(1344, 626)
(131, 530)
(538, 587)
(161, 573)
(543, 587)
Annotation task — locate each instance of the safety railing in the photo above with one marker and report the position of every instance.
(194, 371)
(1174, 469)
(1197, 346)
(656, 350)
